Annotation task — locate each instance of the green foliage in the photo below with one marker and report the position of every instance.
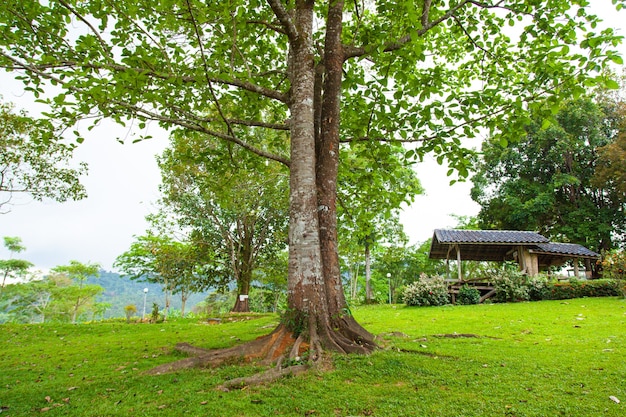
(130, 310)
(468, 295)
(546, 181)
(579, 289)
(427, 291)
(614, 267)
(33, 159)
(511, 285)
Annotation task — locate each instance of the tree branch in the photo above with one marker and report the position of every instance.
(284, 18)
(138, 111)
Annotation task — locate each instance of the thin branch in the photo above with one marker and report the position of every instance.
(80, 17)
(206, 69)
(244, 85)
(353, 52)
(425, 12)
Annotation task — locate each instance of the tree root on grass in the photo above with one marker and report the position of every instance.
(275, 349)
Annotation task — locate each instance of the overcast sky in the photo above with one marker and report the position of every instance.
(123, 185)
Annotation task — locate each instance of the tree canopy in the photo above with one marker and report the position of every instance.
(231, 201)
(35, 161)
(548, 180)
(321, 72)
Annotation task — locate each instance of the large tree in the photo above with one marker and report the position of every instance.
(373, 183)
(548, 180)
(321, 71)
(232, 201)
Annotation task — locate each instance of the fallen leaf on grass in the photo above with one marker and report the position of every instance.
(72, 388)
(614, 399)
(204, 403)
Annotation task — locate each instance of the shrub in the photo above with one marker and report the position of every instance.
(510, 285)
(468, 295)
(579, 289)
(426, 292)
(130, 311)
(538, 287)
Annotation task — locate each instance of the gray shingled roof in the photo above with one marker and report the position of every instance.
(499, 245)
(572, 249)
(488, 236)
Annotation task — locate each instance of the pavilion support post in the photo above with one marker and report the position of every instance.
(458, 263)
(576, 269)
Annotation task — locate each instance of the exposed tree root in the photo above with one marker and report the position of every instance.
(274, 349)
(268, 376)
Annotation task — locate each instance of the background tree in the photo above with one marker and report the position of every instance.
(35, 161)
(544, 181)
(180, 267)
(231, 200)
(13, 268)
(79, 272)
(397, 265)
(386, 71)
(53, 298)
(373, 184)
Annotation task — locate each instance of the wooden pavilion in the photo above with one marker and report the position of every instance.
(532, 251)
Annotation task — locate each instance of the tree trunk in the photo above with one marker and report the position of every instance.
(243, 289)
(369, 296)
(244, 270)
(345, 334)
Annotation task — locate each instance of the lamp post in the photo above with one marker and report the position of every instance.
(145, 295)
(389, 279)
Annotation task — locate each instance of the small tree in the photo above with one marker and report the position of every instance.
(13, 268)
(614, 267)
(79, 272)
(130, 311)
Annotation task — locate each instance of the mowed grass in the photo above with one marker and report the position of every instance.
(552, 358)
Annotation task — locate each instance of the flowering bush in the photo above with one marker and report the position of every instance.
(579, 289)
(510, 285)
(427, 291)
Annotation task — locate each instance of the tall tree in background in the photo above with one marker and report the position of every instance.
(323, 71)
(544, 182)
(231, 200)
(34, 161)
(373, 183)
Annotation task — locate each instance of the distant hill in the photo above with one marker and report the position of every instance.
(121, 291)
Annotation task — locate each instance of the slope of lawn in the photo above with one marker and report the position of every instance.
(551, 358)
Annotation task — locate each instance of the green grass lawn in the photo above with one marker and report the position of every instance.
(550, 358)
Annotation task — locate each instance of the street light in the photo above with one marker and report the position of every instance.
(145, 295)
(389, 278)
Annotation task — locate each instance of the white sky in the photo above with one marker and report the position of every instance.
(123, 184)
